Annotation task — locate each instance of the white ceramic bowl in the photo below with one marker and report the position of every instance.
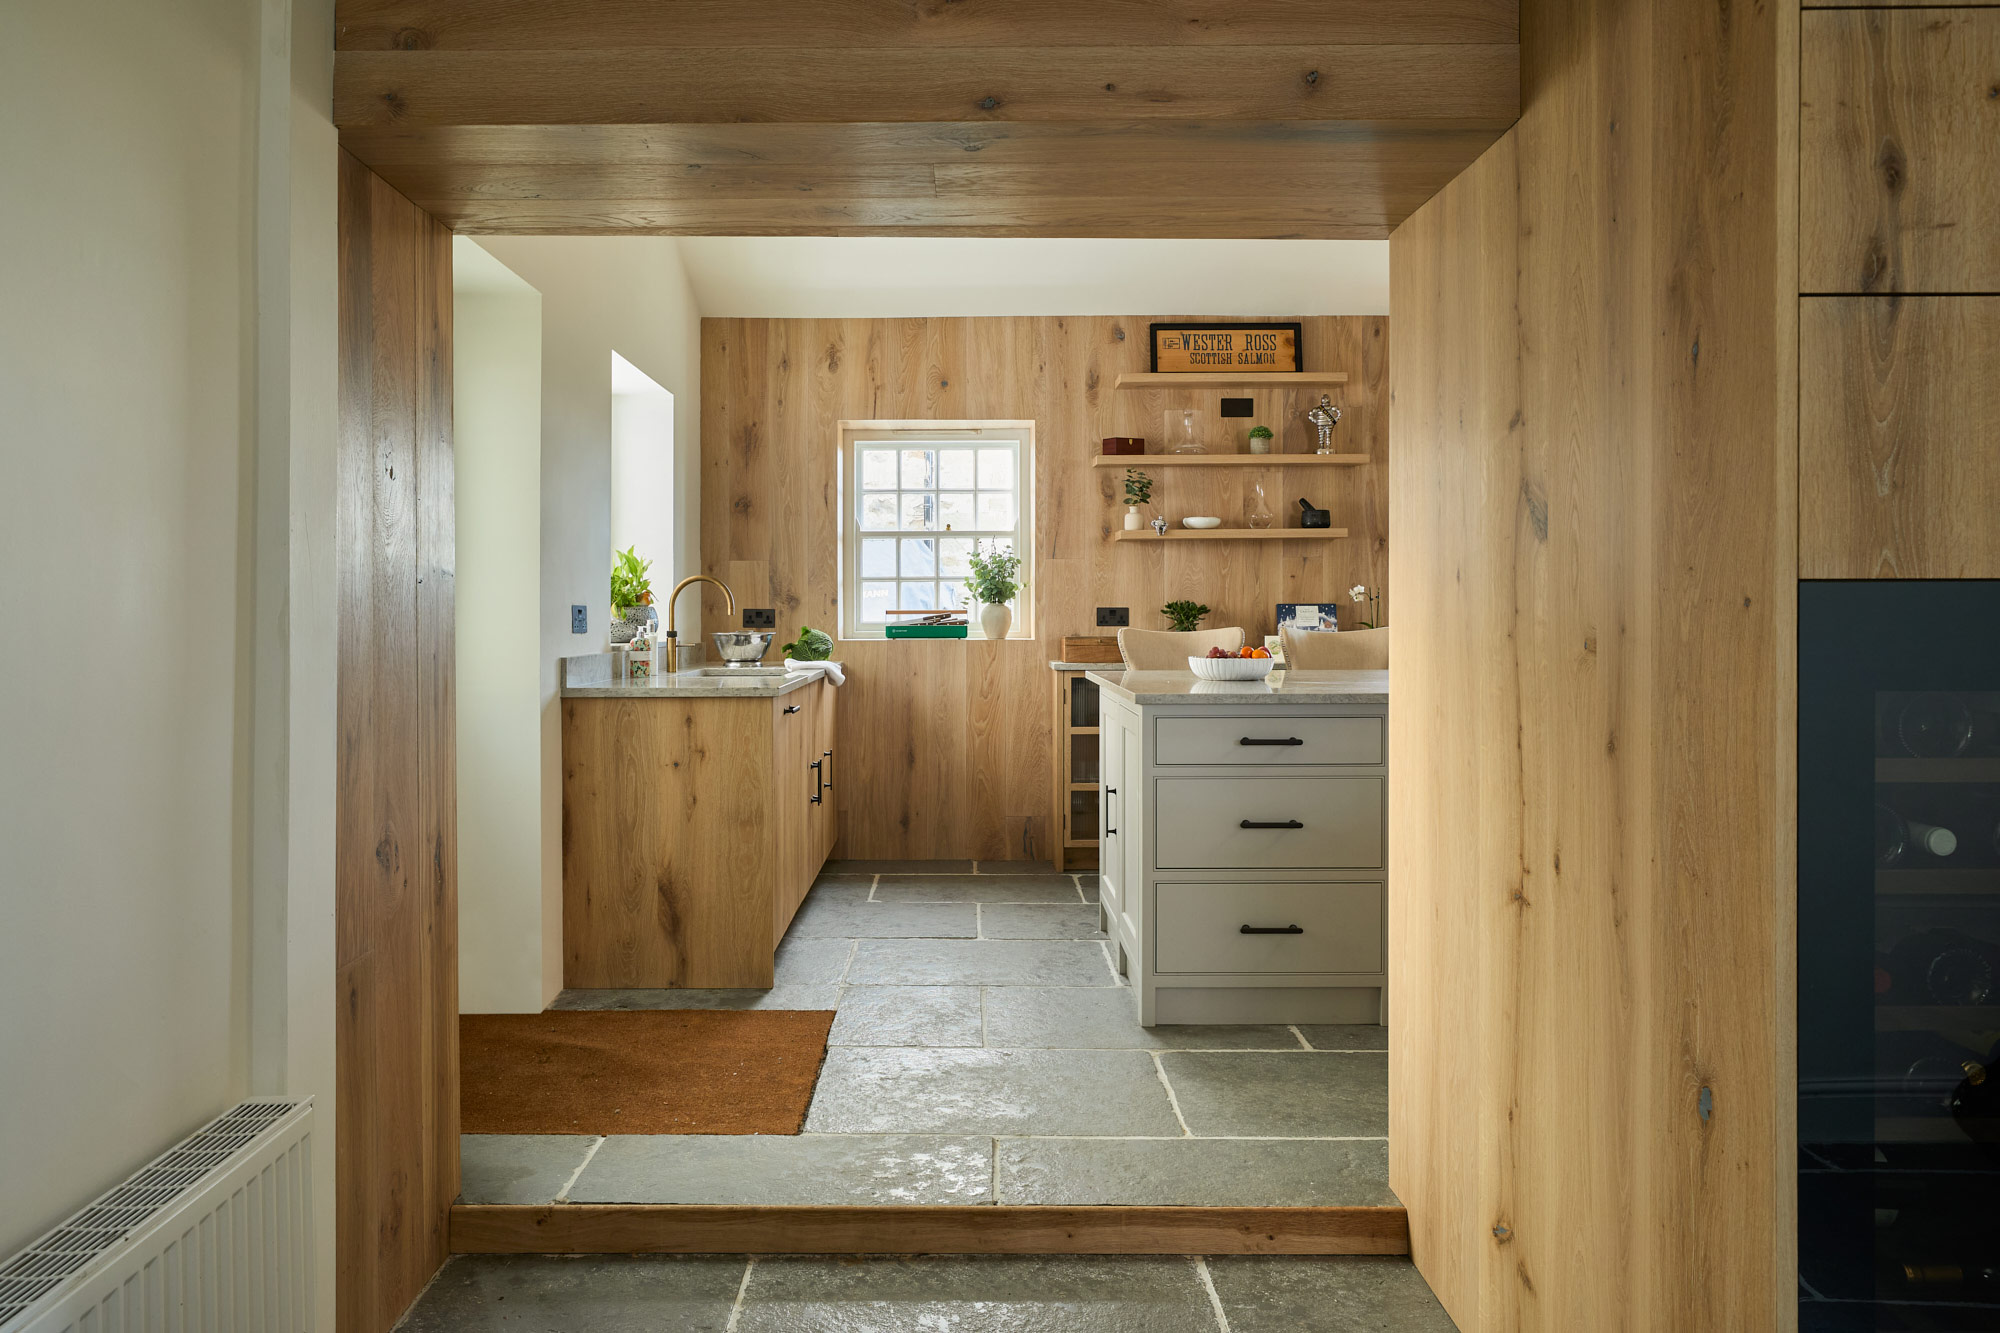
(1231, 668)
(1201, 522)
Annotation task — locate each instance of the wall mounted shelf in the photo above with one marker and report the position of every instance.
(1223, 379)
(1229, 460)
(1231, 535)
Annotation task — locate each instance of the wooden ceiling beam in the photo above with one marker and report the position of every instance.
(1456, 86)
(555, 25)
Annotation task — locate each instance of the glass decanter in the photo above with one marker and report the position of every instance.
(1258, 514)
(1185, 435)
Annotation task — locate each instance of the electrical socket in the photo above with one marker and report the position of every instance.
(1114, 616)
(579, 619)
(760, 617)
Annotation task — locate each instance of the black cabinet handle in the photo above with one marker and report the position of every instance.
(793, 708)
(1266, 823)
(819, 782)
(829, 781)
(1263, 740)
(1109, 832)
(1272, 930)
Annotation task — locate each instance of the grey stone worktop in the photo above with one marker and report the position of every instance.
(1169, 688)
(589, 677)
(1085, 666)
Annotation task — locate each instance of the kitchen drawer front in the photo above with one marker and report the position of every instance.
(1198, 823)
(1279, 739)
(1199, 928)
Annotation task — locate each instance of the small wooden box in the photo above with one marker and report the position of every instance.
(1090, 649)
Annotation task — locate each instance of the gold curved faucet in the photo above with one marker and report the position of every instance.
(673, 638)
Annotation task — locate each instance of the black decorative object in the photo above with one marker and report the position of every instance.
(1313, 518)
(1239, 407)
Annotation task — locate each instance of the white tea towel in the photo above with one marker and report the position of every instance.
(831, 670)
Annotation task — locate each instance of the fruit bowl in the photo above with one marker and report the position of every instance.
(1231, 668)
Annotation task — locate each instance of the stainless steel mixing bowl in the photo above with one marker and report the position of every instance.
(742, 647)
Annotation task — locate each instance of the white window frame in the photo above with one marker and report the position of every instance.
(908, 434)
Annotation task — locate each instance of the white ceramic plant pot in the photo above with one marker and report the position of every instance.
(995, 621)
(1132, 523)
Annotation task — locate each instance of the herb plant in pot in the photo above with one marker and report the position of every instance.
(1184, 616)
(631, 594)
(1260, 439)
(1138, 491)
(995, 581)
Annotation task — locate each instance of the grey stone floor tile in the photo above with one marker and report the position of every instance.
(976, 1294)
(1034, 921)
(1107, 1018)
(1014, 867)
(1346, 1036)
(1087, 885)
(897, 1090)
(1218, 1173)
(810, 962)
(978, 963)
(855, 919)
(1309, 1094)
(977, 889)
(1335, 1294)
(596, 1293)
(845, 888)
(825, 996)
(897, 868)
(518, 1168)
(1087, 878)
(788, 1169)
(907, 1016)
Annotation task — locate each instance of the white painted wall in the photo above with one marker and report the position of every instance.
(627, 294)
(503, 914)
(857, 277)
(642, 470)
(166, 363)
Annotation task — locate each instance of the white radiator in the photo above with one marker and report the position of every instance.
(213, 1236)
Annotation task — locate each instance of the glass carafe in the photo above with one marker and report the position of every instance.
(1184, 433)
(1258, 513)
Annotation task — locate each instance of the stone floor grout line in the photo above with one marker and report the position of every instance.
(873, 885)
(982, 1018)
(1078, 881)
(1172, 1100)
(742, 1289)
(562, 1195)
(1214, 1297)
(1303, 1043)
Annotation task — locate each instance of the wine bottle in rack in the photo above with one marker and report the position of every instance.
(1941, 967)
(1903, 841)
(1942, 725)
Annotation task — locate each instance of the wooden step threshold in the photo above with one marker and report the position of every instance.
(620, 1228)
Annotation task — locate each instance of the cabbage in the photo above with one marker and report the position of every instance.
(812, 645)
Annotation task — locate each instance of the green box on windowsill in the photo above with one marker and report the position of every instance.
(926, 631)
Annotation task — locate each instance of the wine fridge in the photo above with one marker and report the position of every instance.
(1899, 955)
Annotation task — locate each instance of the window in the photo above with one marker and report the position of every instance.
(917, 500)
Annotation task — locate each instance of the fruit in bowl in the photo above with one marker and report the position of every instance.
(1244, 653)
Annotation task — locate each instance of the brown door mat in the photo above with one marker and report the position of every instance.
(640, 1071)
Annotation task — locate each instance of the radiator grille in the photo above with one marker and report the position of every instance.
(102, 1226)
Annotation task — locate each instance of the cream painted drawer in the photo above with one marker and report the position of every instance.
(1280, 739)
(1296, 823)
(1199, 928)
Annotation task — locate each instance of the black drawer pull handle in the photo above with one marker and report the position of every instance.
(1272, 930)
(1266, 823)
(1262, 740)
(793, 708)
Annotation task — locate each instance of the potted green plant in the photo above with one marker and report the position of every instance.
(1184, 616)
(1260, 439)
(1138, 491)
(630, 589)
(995, 581)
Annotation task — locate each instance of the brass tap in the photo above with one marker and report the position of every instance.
(673, 639)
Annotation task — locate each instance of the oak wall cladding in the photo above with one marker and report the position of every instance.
(949, 740)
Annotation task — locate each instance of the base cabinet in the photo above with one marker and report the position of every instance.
(1245, 880)
(692, 830)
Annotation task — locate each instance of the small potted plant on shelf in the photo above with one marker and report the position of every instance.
(995, 581)
(631, 592)
(1138, 491)
(1184, 616)
(1260, 439)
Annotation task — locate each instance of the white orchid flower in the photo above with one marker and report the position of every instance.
(1357, 593)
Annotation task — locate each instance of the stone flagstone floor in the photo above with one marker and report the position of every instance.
(986, 1051)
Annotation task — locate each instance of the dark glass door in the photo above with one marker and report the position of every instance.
(1899, 955)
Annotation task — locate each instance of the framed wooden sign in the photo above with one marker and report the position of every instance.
(1261, 349)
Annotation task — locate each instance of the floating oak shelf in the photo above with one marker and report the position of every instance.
(1937, 770)
(1223, 379)
(1229, 460)
(1230, 535)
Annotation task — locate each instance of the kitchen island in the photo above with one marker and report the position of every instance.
(1243, 870)
(697, 809)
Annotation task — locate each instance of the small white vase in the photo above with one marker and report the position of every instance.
(995, 621)
(1132, 523)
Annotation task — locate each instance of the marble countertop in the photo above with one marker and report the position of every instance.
(589, 677)
(1085, 666)
(1147, 688)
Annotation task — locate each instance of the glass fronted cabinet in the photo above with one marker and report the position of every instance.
(1899, 955)
(1077, 779)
